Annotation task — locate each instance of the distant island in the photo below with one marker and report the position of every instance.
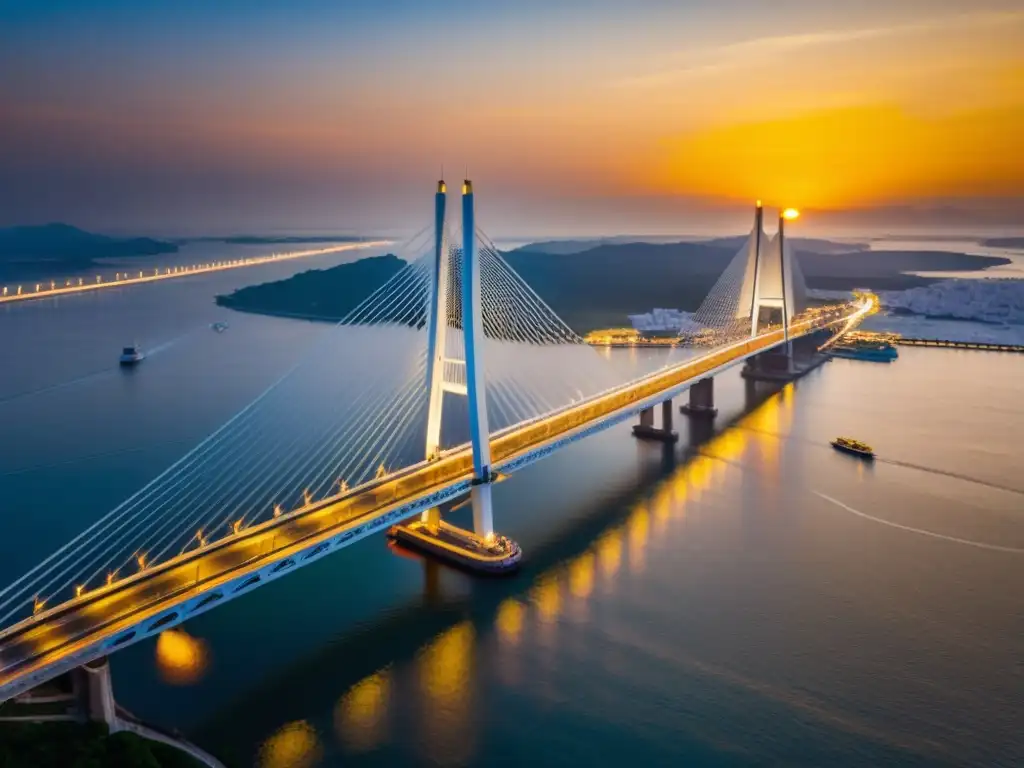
(317, 294)
(50, 248)
(565, 247)
(599, 287)
(1004, 242)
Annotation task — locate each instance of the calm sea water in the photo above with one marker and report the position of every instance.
(749, 597)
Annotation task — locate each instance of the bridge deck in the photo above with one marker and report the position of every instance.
(167, 593)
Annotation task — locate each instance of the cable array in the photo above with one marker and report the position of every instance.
(725, 311)
(350, 411)
(535, 363)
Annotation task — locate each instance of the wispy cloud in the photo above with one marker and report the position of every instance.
(732, 56)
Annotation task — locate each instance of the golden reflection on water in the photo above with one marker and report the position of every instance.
(509, 621)
(547, 597)
(638, 526)
(609, 553)
(180, 658)
(360, 716)
(772, 418)
(667, 503)
(661, 506)
(294, 745)
(581, 576)
(445, 669)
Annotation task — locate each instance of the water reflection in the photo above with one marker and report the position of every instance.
(637, 526)
(547, 597)
(609, 553)
(294, 745)
(360, 717)
(445, 672)
(509, 621)
(581, 576)
(180, 658)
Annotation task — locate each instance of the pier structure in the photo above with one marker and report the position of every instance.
(702, 400)
(646, 430)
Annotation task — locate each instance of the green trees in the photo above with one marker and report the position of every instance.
(74, 745)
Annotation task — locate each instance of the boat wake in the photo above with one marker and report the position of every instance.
(99, 373)
(919, 531)
(954, 475)
(60, 385)
(898, 463)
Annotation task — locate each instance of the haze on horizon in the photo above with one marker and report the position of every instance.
(579, 117)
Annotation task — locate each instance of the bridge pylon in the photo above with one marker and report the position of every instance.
(437, 324)
(473, 333)
(480, 549)
(772, 278)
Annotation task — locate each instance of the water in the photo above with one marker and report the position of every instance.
(703, 605)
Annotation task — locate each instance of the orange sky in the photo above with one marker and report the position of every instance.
(294, 116)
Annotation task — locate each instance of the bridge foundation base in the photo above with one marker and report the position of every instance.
(702, 400)
(793, 370)
(646, 430)
(494, 555)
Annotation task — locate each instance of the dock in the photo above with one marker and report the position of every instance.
(947, 344)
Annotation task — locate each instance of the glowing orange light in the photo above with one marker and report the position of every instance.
(181, 659)
(790, 213)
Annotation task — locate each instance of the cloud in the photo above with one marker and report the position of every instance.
(742, 54)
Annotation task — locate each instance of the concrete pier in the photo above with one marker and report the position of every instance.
(781, 368)
(96, 692)
(494, 555)
(646, 430)
(702, 400)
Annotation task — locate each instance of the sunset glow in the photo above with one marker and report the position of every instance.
(323, 117)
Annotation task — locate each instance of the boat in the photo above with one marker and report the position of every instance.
(131, 355)
(874, 353)
(219, 327)
(854, 447)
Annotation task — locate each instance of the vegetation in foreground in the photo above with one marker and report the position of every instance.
(82, 745)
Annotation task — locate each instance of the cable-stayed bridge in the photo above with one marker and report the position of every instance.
(450, 376)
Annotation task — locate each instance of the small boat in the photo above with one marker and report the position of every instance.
(219, 327)
(854, 447)
(131, 355)
(876, 354)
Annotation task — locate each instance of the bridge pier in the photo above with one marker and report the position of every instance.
(483, 512)
(786, 363)
(97, 691)
(646, 430)
(702, 400)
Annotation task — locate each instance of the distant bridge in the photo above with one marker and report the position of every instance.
(45, 289)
